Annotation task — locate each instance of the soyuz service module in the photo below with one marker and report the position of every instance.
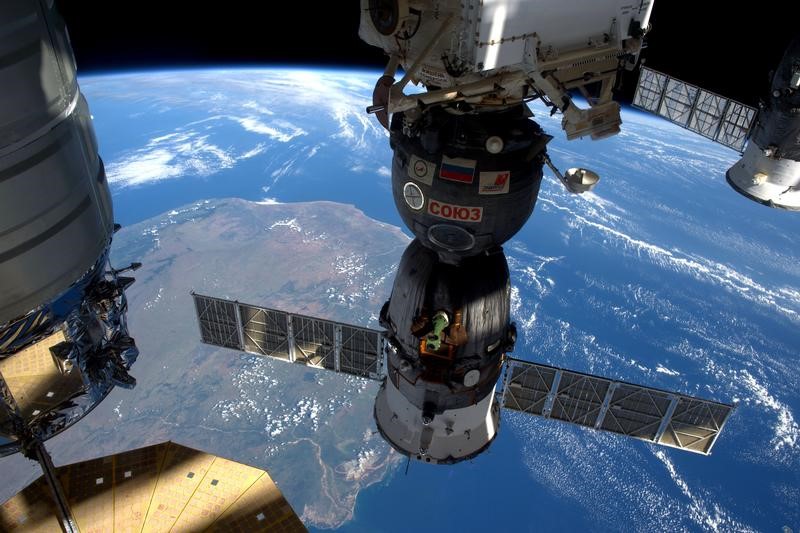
(466, 173)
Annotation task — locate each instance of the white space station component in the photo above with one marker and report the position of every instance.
(444, 367)
(64, 341)
(494, 53)
(769, 170)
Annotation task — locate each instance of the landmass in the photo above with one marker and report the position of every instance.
(312, 430)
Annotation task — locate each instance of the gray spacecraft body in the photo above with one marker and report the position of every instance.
(64, 340)
(444, 370)
(456, 197)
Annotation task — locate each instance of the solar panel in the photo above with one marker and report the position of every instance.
(657, 416)
(264, 332)
(218, 324)
(32, 510)
(711, 115)
(362, 351)
(165, 487)
(291, 337)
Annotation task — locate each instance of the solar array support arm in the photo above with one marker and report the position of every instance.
(63, 511)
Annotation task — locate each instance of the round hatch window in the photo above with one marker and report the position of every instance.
(451, 238)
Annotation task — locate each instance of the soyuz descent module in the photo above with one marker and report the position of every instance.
(467, 167)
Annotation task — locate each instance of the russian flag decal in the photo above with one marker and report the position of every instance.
(457, 169)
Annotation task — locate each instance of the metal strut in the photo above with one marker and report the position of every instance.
(37, 451)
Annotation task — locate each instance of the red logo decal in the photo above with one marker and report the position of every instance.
(458, 213)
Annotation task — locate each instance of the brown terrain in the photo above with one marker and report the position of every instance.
(312, 430)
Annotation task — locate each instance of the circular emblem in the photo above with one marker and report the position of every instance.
(413, 196)
(420, 168)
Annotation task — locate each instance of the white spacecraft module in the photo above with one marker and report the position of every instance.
(64, 341)
(769, 170)
(502, 52)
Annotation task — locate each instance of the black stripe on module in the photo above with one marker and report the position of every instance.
(20, 54)
(34, 160)
(49, 232)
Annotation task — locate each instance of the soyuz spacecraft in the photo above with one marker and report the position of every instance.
(769, 169)
(466, 173)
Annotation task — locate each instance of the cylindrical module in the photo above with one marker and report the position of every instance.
(64, 341)
(448, 328)
(55, 207)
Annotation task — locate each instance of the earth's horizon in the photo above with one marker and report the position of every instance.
(271, 185)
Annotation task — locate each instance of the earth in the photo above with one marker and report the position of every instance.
(272, 186)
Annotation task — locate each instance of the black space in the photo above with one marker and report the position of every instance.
(725, 48)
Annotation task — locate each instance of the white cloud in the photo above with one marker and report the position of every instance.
(271, 103)
(169, 156)
(708, 515)
(258, 108)
(668, 371)
(787, 431)
(144, 167)
(288, 223)
(260, 148)
(254, 125)
(701, 268)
